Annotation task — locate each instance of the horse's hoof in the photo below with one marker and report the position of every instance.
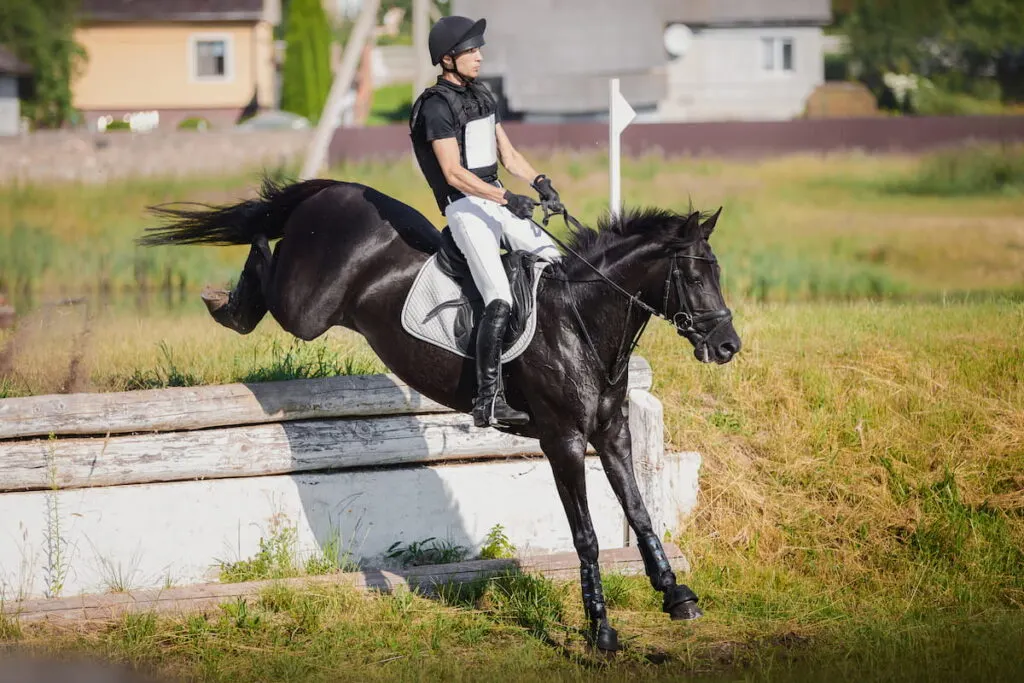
(606, 640)
(215, 299)
(685, 611)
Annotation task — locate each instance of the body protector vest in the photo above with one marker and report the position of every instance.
(475, 114)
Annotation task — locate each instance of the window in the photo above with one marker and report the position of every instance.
(777, 54)
(210, 57)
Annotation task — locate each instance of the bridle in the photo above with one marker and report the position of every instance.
(685, 321)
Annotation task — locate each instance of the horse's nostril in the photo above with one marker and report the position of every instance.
(727, 349)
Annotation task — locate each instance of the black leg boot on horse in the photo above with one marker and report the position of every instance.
(490, 407)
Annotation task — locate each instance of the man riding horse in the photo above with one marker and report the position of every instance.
(458, 141)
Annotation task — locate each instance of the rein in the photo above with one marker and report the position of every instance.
(684, 321)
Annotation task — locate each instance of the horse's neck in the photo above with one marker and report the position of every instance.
(608, 316)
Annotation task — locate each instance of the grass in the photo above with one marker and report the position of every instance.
(391, 104)
(861, 513)
(986, 170)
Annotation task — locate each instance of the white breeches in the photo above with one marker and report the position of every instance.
(477, 226)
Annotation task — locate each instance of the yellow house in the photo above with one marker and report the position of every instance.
(178, 58)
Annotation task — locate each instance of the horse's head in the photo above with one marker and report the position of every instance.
(692, 297)
(666, 257)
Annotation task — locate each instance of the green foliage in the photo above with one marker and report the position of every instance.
(306, 360)
(497, 545)
(41, 34)
(275, 559)
(837, 67)
(980, 170)
(533, 602)
(26, 255)
(427, 551)
(194, 123)
(167, 374)
(932, 37)
(307, 63)
(391, 104)
(117, 125)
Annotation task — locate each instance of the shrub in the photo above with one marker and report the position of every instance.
(978, 170)
(194, 123)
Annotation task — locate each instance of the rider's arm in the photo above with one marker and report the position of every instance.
(447, 151)
(511, 159)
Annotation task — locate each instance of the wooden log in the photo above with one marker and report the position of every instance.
(647, 436)
(426, 579)
(191, 408)
(257, 450)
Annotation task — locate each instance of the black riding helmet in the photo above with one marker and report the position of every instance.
(452, 35)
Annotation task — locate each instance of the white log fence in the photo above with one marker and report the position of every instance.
(156, 487)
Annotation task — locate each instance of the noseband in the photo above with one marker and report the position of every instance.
(685, 320)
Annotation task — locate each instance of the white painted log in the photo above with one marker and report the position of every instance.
(188, 408)
(647, 435)
(250, 451)
(147, 535)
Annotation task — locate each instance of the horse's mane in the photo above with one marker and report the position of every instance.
(660, 226)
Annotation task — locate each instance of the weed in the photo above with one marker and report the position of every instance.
(276, 559)
(427, 551)
(56, 545)
(168, 374)
(497, 545)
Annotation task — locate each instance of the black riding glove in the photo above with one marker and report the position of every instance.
(521, 206)
(548, 195)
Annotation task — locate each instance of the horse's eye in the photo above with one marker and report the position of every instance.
(695, 281)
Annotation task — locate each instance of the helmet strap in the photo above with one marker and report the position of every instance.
(466, 80)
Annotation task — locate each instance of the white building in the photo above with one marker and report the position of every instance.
(10, 106)
(678, 60)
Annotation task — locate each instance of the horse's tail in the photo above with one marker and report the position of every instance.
(233, 224)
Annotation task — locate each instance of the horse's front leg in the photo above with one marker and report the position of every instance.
(615, 448)
(566, 455)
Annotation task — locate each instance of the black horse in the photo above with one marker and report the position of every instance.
(348, 256)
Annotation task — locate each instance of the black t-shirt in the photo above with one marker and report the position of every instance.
(437, 122)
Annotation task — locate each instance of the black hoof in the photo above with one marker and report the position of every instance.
(681, 604)
(685, 611)
(606, 639)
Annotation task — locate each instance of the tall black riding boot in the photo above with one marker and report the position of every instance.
(489, 407)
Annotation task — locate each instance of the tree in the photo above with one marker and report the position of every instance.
(41, 34)
(307, 60)
(957, 40)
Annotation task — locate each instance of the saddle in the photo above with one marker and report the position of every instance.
(444, 304)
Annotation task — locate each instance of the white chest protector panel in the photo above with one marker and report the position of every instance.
(481, 145)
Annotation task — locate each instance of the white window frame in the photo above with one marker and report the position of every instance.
(778, 44)
(229, 57)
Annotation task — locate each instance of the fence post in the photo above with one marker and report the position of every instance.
(647, 432)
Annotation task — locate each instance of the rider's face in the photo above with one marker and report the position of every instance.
(469, 62)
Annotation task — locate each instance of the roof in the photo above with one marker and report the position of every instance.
(747, 12)
(178, 10)
(9, 64)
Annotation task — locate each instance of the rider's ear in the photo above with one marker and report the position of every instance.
(708, 226)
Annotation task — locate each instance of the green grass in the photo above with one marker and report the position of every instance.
(983, 170)
(391, 104)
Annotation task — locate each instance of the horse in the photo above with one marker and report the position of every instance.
(347, 256)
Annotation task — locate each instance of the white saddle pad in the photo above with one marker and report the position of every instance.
(432, 305)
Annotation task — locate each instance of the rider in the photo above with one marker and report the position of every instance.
(458, 141)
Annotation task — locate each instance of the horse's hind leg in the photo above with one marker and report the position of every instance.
(243, 307)
(566, 455)
(614, 446)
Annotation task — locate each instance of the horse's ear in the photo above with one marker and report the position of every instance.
(708, 226)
